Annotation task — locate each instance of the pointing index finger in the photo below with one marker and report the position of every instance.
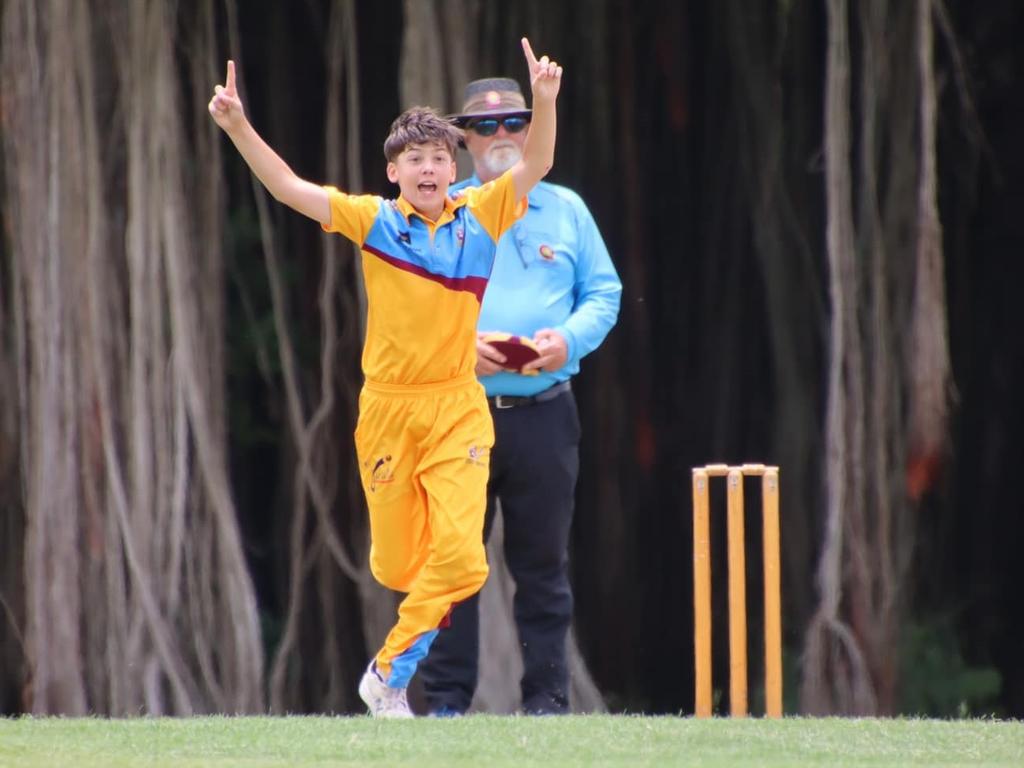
(230, 81)
(530, 58)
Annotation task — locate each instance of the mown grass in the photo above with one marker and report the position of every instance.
(494, 742)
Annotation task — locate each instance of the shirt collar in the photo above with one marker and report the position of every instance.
(406, 209)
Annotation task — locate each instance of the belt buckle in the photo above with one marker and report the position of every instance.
(499, 403)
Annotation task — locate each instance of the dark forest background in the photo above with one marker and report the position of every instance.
(815, 208)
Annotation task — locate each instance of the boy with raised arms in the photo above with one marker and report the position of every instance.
(424, 433)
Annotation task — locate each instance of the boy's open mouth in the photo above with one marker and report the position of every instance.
(427, 187)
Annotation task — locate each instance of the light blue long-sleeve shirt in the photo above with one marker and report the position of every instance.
(552, 270)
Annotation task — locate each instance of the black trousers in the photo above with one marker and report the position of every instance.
(534, 467)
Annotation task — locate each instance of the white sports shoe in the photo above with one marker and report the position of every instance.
(381, 699)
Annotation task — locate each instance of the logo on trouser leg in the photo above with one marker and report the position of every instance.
(382, 472)
(477, 455)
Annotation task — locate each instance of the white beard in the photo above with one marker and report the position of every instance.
(501, 156)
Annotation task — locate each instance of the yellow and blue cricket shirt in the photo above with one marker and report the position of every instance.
(424, 280)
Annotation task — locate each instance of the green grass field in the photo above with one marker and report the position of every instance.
(493, 742)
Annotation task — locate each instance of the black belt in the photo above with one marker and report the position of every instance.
(503, 402)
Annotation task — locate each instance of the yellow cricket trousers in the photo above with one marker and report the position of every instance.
(424, 455)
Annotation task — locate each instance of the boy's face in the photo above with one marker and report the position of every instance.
(423, 173)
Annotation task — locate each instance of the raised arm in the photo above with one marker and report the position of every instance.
(280, 180)
(539, 151)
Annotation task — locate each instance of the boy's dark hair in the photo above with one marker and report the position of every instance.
(421, 125)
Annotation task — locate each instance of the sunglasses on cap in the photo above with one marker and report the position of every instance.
(488, 126)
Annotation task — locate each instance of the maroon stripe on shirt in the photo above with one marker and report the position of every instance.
(474, 285)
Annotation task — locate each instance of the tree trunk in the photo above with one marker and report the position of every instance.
(851, 665)
(128, 506)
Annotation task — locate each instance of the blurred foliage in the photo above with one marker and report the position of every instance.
(937, 681)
